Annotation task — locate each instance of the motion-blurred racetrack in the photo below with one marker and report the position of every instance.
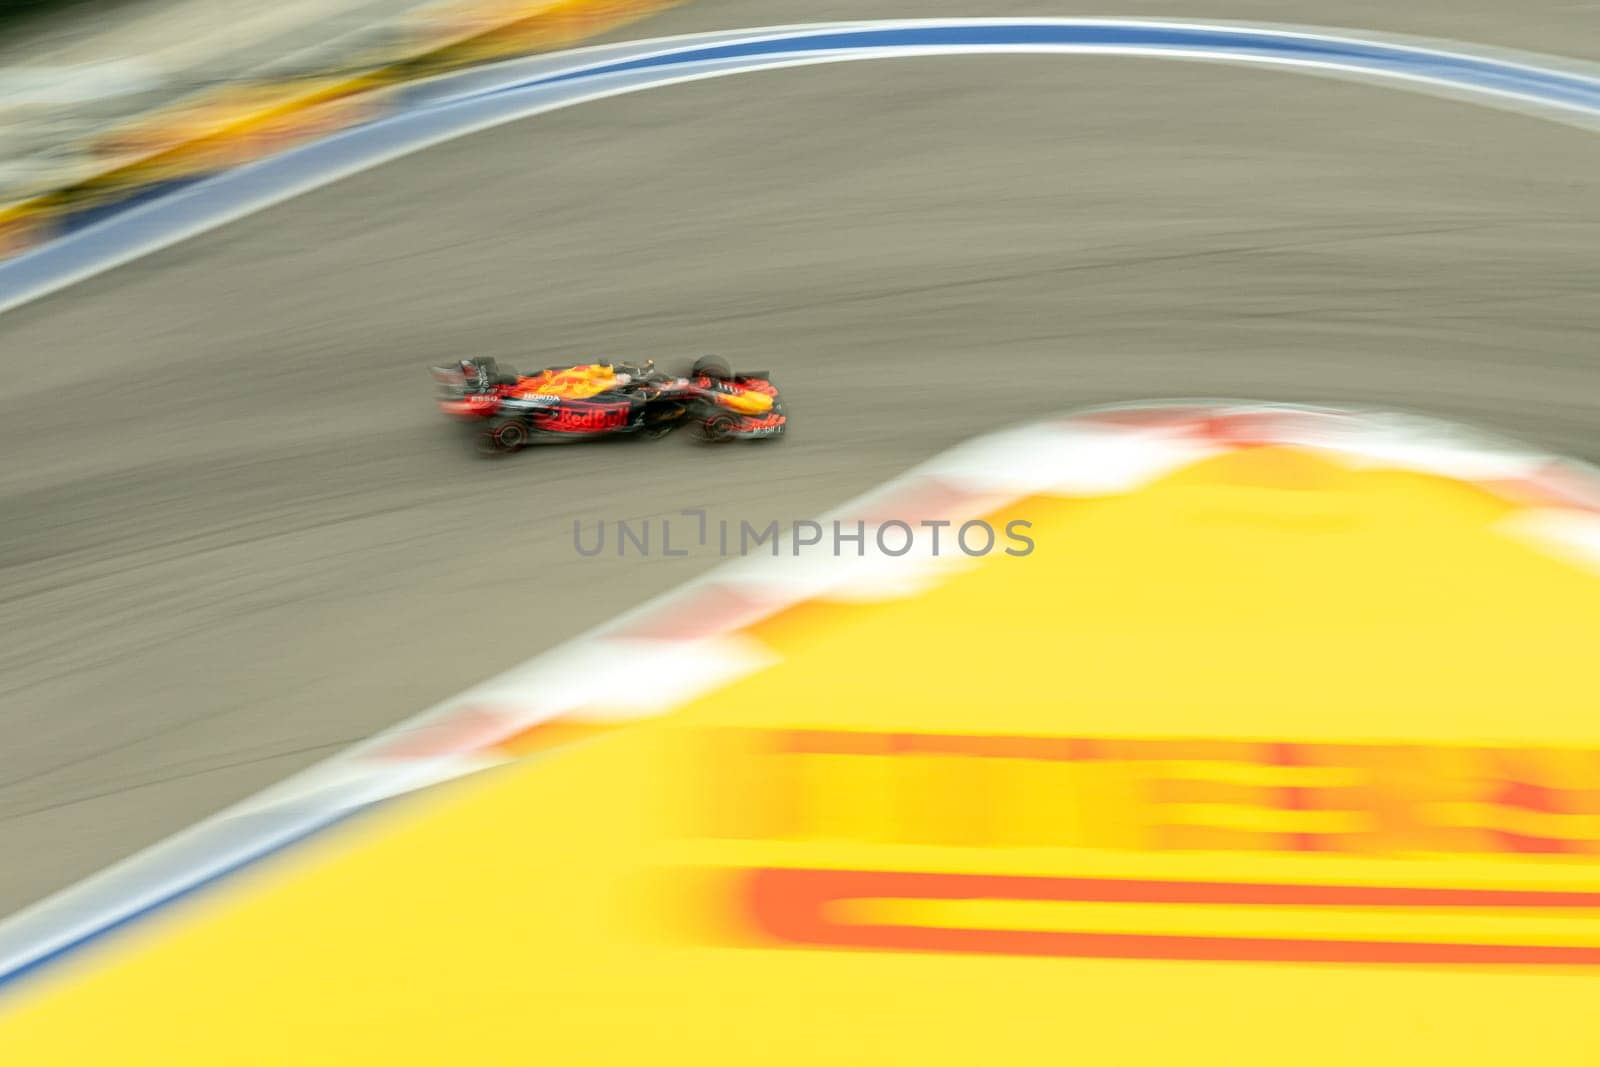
(238, 538)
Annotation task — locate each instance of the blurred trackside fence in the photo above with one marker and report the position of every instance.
(349, 79)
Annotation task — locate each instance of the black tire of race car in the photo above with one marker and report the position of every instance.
(715, 429)
(503, 435)
(711, 367)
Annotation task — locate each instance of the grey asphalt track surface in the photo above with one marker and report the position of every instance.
(236, 536)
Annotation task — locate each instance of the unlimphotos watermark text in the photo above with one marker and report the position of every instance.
(694, 529)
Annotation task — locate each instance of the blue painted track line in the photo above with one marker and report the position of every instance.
(1219, 42)
(514, 90)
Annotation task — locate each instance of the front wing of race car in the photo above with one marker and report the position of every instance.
(747, 407)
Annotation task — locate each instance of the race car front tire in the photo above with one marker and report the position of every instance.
(714, 429)
(711, 367)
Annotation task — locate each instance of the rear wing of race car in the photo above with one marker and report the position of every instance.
(471, 376)
(452, 381)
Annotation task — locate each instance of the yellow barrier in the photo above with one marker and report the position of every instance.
(235, 124)
(24, 225)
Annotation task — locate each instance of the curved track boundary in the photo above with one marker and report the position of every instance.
(463, 103)
(475, 100)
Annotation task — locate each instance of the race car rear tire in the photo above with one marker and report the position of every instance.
(502, 435)
(712, 367)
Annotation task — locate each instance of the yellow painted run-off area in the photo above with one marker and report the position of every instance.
(1278, 758)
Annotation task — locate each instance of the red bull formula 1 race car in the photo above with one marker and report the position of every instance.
(507, 411)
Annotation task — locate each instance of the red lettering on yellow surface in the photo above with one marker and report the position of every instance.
(800, 907)
(1177, 794)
